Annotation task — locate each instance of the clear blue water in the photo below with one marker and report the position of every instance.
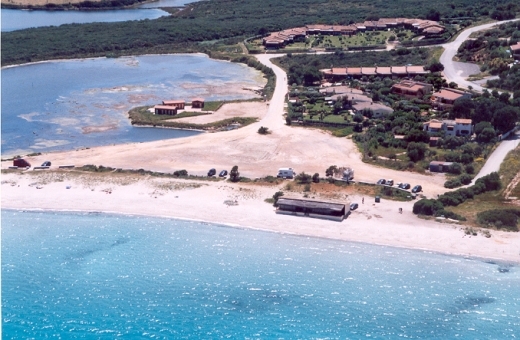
(97, 276)
(14, 19)
(66, 105)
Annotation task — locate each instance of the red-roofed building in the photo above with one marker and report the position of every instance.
(412, 89)
(175, 103)
(445, 98)
(164, 110)
(197, 103)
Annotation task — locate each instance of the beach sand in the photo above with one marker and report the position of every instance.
(243, 205)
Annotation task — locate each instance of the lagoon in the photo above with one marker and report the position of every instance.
(93, 275)
(66, 105)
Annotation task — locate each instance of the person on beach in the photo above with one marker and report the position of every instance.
(400, 210)
(363, 200)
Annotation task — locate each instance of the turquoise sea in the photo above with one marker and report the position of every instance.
(100, 276)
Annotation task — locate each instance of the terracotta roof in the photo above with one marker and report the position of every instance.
(384, 70)
(166, 102)
(450, 94)
(435, 125)
(165, 107)
(354, 70)
(369, 71)
(515, 47)
(399, 70)
(463, 121)
(416, 69)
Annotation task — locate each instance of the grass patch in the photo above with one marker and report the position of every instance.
(140, 116)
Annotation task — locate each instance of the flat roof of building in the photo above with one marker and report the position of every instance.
(311, 204)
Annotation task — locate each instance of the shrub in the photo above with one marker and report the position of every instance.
(452, 183)
(500, 218)
(469, 168)
(234, 175)
(316, 178)
(276, 196)
(465, 179)
(427, 207)
(491, 182)
(455, 168)
(303, 178)
(450, 214)
(180, 173)
(263, 130)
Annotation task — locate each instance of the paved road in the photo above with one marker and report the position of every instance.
(452, 69)
(497, 157)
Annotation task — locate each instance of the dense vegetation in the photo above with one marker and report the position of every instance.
(436, 207)
(216, 21)
(500, 218)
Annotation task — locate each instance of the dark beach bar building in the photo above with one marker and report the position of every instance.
(300, 207)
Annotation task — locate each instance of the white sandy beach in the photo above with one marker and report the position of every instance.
(376, 223)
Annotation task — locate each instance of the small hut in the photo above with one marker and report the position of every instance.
(309, 208)
(197, 103)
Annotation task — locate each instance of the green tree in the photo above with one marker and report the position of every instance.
(331, 170)
(316, 178)
(416, 151)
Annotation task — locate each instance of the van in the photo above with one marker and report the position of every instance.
(286, 173)
(21, 163)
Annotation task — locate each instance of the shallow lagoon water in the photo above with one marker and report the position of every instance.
(66, 105)
(79, 275)
(15, 19)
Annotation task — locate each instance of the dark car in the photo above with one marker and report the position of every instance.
(354, 206)
(223, 173)
(405, 186)
(212, 172)
(381, 181)
(417, 188)
(390, 182)
(46, 163)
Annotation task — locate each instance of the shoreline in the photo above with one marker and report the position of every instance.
(280, 232)
(205, 201)
(105, 57)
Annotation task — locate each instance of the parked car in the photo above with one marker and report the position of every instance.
(405, 186)
(354, 206)
(381, 181)
(223, 173)
(417, 188)
(390, 182)
(212, 172)
(21, 163)
(46, 163)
